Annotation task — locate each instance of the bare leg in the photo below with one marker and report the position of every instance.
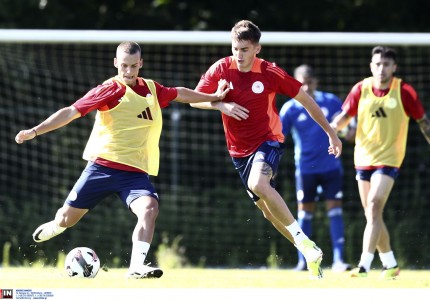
(146, 210)
(261, 204)
(380, 188)
(65, 217)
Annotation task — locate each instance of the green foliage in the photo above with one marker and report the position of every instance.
(201, 15)
(170, 255)
(6, 254)
(273, 260)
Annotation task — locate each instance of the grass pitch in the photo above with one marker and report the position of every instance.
(220, 284)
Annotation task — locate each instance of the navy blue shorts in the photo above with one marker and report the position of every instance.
(328, 185)
(393, 172)
(269, 152)
(97, 182)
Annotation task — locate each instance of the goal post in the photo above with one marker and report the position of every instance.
(212, 37)
(202, 199)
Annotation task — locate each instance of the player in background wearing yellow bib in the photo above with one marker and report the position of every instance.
(383, 105)
(122, 150)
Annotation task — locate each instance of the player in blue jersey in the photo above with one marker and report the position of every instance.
(318, 175)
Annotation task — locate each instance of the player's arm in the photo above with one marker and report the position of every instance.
(316, 113)
(186, 95)
(424, 124)
(231, 109)
(58, 119)
(340, 121)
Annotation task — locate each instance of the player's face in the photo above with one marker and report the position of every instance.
(128, 66)
(382, 69)
(244, 52)
(309, 84)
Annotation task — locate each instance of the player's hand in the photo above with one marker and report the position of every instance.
(335, 147)
(25, 135)
(223, 89)
(234, 110)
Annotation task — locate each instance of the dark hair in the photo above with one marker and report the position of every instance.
(129, 47)
(305, 71)
(385, 52)
(246, 31)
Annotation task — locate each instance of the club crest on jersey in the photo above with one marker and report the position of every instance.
(257, 87)
(391, 103)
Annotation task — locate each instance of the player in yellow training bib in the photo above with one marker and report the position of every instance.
(383, 105)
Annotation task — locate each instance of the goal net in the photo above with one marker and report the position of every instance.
(206, 216)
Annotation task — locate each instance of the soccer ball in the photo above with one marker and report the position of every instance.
(82, 262)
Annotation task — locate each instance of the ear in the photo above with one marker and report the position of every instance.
(115, 63)
(394, 68)
(141, 63)
(258, 49)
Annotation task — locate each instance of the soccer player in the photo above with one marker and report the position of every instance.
(253, 130)
(383, 105)
(122, 150)
(314, 167)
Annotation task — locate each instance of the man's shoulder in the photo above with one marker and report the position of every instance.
(291, 105)
(326, 96)
(224, 62)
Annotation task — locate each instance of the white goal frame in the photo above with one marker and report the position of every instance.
(212, 37)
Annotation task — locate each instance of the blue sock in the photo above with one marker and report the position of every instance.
(337, 233)
(304, 219)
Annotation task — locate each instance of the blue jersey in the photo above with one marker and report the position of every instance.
(310, 140)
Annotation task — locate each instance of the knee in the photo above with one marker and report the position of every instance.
(146, 209)
(257, 187)
(374, 210)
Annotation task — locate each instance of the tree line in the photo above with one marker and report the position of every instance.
(275, 15)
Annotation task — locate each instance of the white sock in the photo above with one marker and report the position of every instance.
(388, 260)
(366, 260)
(297, 233)
(138, 253)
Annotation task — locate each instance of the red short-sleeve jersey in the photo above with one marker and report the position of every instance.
(255, 90)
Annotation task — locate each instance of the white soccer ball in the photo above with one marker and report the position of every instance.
(82, 262)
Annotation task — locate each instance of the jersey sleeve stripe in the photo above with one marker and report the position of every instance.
(277, 71)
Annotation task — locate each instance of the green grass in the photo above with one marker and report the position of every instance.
(207, 278)
(212, 284)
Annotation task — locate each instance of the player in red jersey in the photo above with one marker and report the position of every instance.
(383, 105)
(122, 150)
(253, 129)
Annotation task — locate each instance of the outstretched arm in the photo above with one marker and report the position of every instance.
(58, 119)
(186, 95)
(231, 109)
(316, 113)
(340, 121)
(424, 124)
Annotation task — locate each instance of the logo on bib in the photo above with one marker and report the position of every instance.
(257, 87)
